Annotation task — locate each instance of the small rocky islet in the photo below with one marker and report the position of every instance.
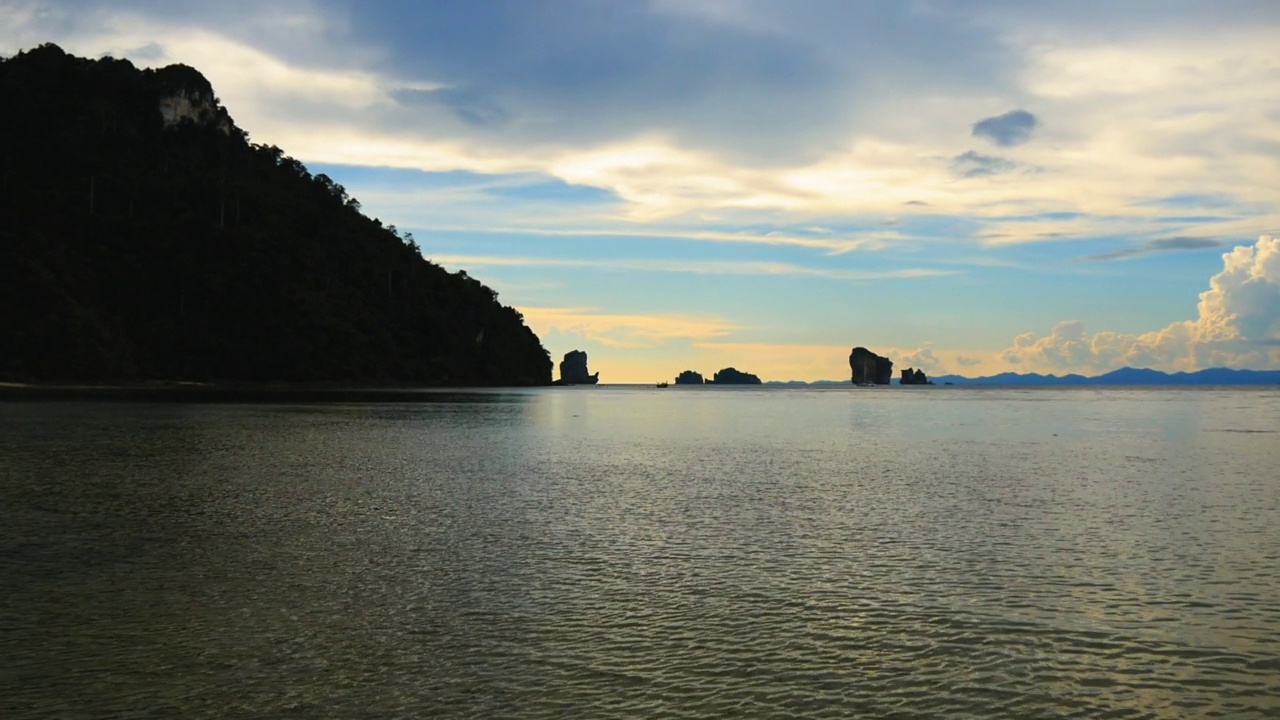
(573, 370)
(866, 369)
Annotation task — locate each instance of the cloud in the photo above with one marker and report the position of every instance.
(1208, 201)
(625, 330)
(469, 104)
(967, 361)
(1065, 346)
(723, 114)
(972, 164)
(922, 358)
(1237, 325)
(1160, 245)
(1007, 130)
(832, 246)
(701, 267)
(146, 53)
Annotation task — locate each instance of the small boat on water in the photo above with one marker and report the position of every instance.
(662, 384)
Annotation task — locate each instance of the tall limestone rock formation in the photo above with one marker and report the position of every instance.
(573, 369)
(869, 368)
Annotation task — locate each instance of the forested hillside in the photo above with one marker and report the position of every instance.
(143, 237)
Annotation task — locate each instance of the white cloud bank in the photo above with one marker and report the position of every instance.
(1238, 325)
(1169, 122)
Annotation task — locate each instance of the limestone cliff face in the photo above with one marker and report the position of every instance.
(689, 377)
(192, 106)
(186, 96)
(869, 368)
(573, 369)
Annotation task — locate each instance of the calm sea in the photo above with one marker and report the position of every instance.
(646, 553)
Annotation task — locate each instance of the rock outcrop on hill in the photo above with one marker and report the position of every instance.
(573, 369)
(869, 368)
(914, 377)
(733, 376)
(689, 377)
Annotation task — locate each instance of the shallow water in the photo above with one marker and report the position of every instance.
(634, 552)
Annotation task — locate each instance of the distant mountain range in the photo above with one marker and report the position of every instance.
(1123, 376)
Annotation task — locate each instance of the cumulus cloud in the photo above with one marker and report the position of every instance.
(1159, 245)
(1237, 325)
(967, 361)
(922, 359)
(1007, 130)
(973, 164)
(1065, 346)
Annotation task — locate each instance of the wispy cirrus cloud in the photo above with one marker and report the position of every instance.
(830, 244)
(974, 164)
(700, 267)
(1159, 245)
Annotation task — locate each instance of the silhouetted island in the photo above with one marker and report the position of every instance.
(869, 368)
(733, 376)
(689, 377)
(142, 236)
(911, 376)
(573, 370)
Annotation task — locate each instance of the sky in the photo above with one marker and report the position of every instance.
(966, 186)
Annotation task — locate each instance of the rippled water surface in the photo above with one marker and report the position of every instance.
(643, 553)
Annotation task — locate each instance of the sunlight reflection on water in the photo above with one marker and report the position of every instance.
(606, 552)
